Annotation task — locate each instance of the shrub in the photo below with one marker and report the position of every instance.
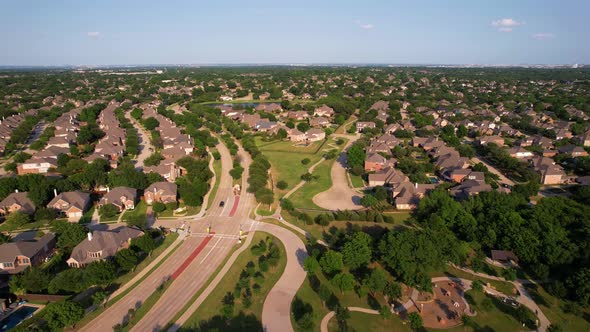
(305, 161)
(108, 211)
(282, 185)
(159, 207)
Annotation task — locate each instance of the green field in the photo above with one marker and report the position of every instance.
(211, 306)
(360, 321)
(322, 181)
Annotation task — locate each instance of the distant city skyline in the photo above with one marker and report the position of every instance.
(107, 33)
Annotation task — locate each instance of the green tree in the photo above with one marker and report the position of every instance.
(108, 211)
(376, 281)
(311, 264)
(357, 252)
(369, 201)
(126, 259)
(344, 281)
(282, 185)
(331, 262)
(151, 123)
(415, 320)
(68, 234)
(62, 314)
(16, 220)
(144, 243)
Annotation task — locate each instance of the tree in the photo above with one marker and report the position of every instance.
(356, 155)
(393, 290)
(331, 262)
(303, 127)
(307, 177)
(305, 161)
(68, 234)
(282, 185)
(126, 259)
(357, 252)
(100, 273)
(415, 320)
(4, 238)
(344, 281)
(377, 281)
(325, 293)
(62, 314)
(16, 219)
(264, 196)
(311, 264)
(144, 243)
(68, 281)
(369, 201)
(151, 123)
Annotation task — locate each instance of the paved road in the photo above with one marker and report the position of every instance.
(145, 146)
(227, 229)
(276, 311)
(340, 196)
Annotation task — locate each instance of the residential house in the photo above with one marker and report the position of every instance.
(319, 122)
(387, 177)
(574, 151)
(298, 115)
(407, 195)
(295, 135)
(163, 192)
(484, 140)
(72, 204)
(314, 135)
(123, 198)
(549, 171)
(377, 147)
(17, 201)
(376, 162)
(470, 187)
(101, 245)
(15, 257)
(360, 125)
(324, 110)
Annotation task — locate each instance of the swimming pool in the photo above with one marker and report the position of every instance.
(18, 316)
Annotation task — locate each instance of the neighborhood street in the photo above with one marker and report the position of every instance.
(145, 146)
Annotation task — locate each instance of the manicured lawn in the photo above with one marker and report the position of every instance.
(28, 226)
(285, 159)
(87, 217)
(357, 181)
(140, 210)
(342, 129)
(217, 170)
(552, 307)
(306, 294)
(322, 181)
(360, 321)
(489, 317)
(211, 306)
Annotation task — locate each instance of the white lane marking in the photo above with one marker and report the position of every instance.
(204, 258)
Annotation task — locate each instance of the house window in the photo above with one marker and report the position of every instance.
(8, 265)
(97, 254)
(26, 261)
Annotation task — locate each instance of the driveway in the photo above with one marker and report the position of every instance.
(503, 178)
(340, 196)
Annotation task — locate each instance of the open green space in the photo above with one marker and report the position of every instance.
(211, 306)
(322, 181)
(139, 211)
(357, 181)
(360, 321)
(553, 308)
(501, 286)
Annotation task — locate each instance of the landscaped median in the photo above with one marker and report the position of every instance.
(240, 295)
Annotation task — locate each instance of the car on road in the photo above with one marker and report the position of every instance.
(222, 203)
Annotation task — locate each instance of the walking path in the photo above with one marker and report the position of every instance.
(340, 196)
(328, 316)
(276, 311)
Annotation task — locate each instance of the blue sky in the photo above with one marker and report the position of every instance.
(78, 32)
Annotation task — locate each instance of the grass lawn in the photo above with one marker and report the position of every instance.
(491, 317)
(303, 198)
(342, 129)
(140, 210)
(360, 321)
(356, 180)
(285, 159)
(5, 227)
(217, 170)
(552, 307)
(211, 306)
(87, 217)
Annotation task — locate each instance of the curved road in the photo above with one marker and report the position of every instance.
(340, 196)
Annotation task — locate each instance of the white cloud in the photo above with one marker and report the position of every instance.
(93, 34)
(366, 26)
(543, 35)
(506, 24)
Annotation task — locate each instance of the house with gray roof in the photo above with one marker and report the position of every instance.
(72, 204)
(15, 257)
(17, 201)
(163, 192)
(123, 198)
(102, 244)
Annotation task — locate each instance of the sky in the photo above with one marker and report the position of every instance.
(126, 32)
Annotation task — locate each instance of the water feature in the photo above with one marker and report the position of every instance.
(17, 317)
